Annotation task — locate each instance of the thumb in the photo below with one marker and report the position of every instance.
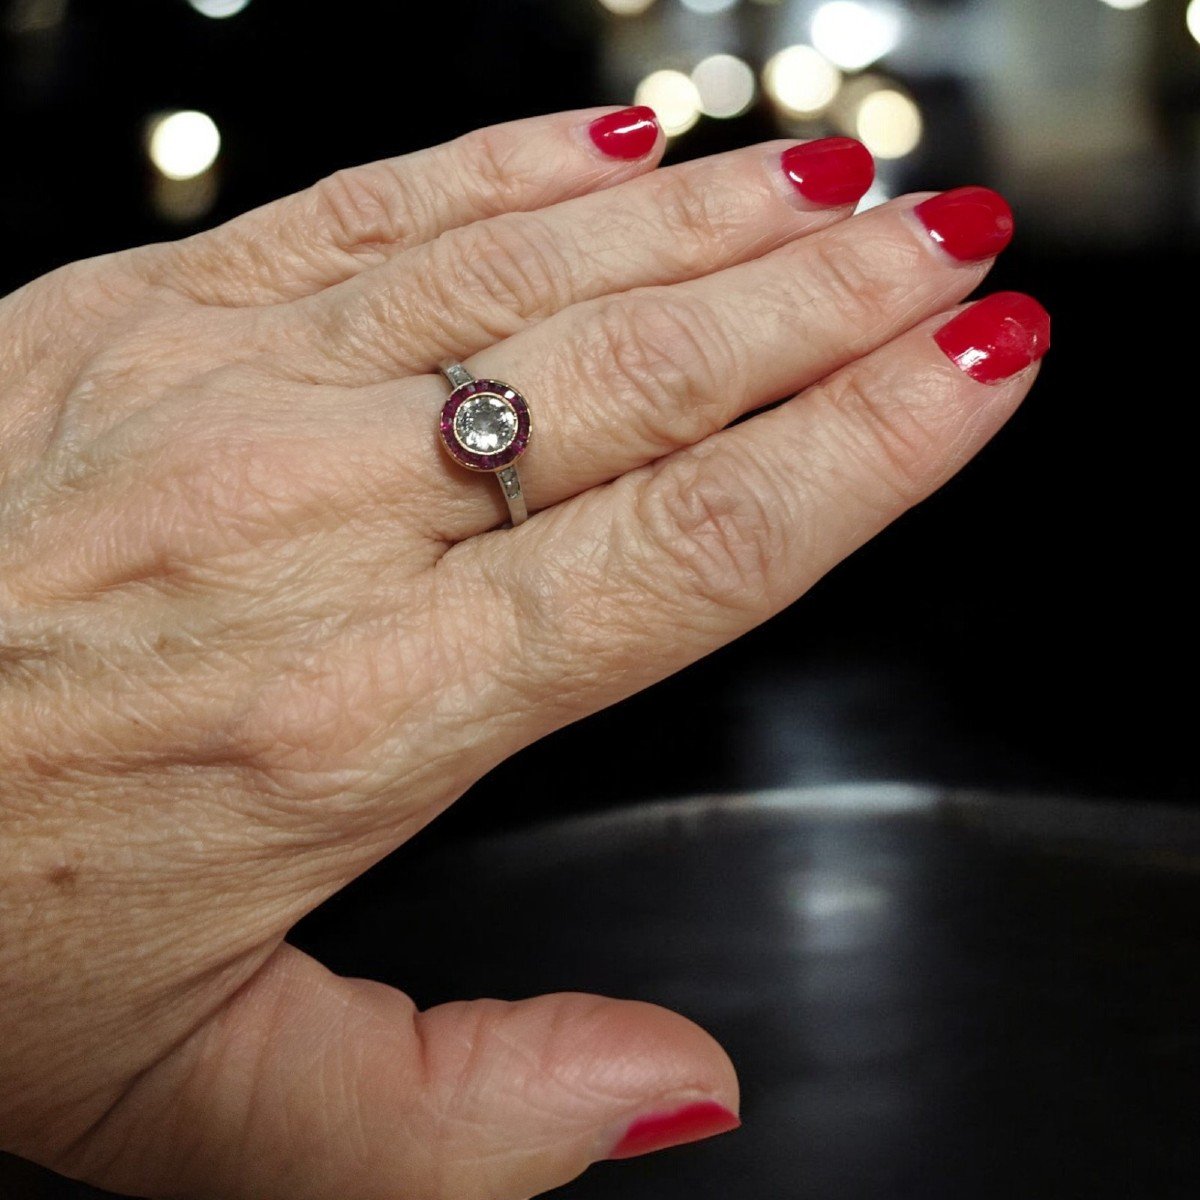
(307, 1086)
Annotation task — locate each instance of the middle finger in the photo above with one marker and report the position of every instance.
(474, 286)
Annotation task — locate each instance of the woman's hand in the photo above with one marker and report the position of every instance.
(256, 628)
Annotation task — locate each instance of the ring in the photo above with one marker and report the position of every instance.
(485, 427)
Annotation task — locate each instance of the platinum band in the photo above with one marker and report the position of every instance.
(510, 482)
(456, 374)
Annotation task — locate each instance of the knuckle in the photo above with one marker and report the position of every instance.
(216, 476)
(893, 439)
(673, 368)
(505, 271)
(67, 306)
(381, 329)
(373, 331)
(494, 164)
(721, 531)
(345, 342)
(315, 733)
(363, 206)
(865, 282)
(305, 734)
(481, 284)
(152, 352)
(698, 218)
(181, 498)
(232, 484)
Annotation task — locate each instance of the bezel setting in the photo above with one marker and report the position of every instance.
(472, 459)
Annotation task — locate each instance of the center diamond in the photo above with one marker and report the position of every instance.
(485, 424)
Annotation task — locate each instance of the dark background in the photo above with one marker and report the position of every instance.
(1026, 631)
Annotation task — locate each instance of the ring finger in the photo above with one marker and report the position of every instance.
(618, 382)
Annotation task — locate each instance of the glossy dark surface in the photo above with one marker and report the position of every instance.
(927, 994)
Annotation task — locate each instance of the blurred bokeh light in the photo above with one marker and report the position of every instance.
(853, 35)
(889, 123)
(725, 84)
(183, 144)
(801, 80)
(708, 7)
(219, 8)
(674, 97)
(627, 8)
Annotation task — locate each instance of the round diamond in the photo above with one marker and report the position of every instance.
(485, 424)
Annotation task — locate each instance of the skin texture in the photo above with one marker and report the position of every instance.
(244, 596)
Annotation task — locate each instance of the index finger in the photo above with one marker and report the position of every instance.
(359, 216)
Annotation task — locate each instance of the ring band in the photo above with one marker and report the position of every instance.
(485, 427)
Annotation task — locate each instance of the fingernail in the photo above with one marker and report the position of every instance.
(970, 224)
(628, 134)
(997, 337)
(691, 1123)
(830, 172)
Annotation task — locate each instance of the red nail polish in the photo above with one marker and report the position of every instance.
(970, 224)
(629, 134)
(830, 172)
(704, 1119)
(997, 337)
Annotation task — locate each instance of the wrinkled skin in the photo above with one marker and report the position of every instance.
(256, 629)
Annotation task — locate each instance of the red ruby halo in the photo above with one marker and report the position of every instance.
(470, 459)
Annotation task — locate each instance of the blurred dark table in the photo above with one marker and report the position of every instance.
(927, 993)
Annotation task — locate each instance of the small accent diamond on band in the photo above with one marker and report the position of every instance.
(485, 426)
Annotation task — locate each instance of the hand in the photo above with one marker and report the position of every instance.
(257, 629)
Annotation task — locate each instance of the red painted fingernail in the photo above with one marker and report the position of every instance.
(997, 337)
(830, 172)
(629, 134)
(691, 1123)
(970, 224)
